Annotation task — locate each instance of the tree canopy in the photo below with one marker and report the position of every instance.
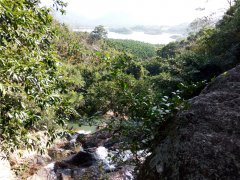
(97, 34)
(29, 71)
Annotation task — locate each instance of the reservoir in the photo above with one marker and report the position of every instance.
(163, 38)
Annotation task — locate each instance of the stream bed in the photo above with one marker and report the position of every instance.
(87, 155)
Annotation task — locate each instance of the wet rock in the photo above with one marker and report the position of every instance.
(95, 165)
(96, 139)
(76, 166)
(59, 153)
(202, 142)
(81, 159)
(112, 143)
(124, 173)
(90, 173)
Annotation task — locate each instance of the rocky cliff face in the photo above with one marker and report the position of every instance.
(202, 142)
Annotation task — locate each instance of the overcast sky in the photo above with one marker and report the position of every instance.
(138, 12)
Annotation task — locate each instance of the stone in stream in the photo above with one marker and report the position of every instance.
(92, 140)
(100, 138)
(81, 159)
(76, 166)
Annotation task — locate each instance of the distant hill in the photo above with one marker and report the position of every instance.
(180, 29)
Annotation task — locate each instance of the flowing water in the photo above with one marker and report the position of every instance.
(81, 129)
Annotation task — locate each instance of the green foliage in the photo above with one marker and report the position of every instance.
(168, 51)
(201, 23)
(140, 50)
(29, 77)
(72, 46)
(97, 34)
(153, 67)
(139, 109)
(142, 90)
(120, 85)
(202, 56)
(220, 46)
(98, 75)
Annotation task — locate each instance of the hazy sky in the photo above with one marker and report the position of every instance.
(139, 12)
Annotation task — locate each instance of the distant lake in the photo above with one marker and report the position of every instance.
(163, 38)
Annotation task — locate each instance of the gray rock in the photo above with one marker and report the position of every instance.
(202, 142)
(5, 168)
(100, 138)
(81, 159)
(45, 173)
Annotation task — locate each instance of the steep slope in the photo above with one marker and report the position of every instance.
(202, 142)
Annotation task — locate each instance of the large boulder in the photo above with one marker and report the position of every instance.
(202, 142)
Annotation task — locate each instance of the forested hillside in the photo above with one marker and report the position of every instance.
(140, 50)
(148, 91)
(51, 75)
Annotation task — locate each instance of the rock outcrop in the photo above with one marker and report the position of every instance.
(202, 142)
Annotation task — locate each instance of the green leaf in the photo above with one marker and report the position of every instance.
(2, 90)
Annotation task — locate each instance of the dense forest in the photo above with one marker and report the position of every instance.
(51, 75)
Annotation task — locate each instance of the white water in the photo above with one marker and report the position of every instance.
(163, 38)
(103, 154)
(50, 166)
(84, 132)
